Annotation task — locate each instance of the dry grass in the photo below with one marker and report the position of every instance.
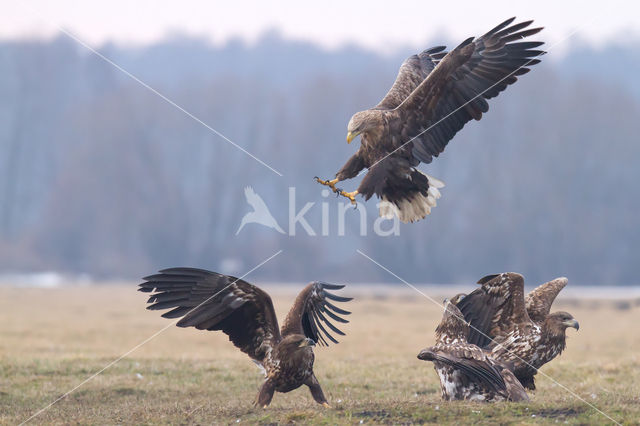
(51, 340)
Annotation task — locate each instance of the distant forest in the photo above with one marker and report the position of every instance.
(99, 175)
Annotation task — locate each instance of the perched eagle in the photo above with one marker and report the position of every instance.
(465, 370)
(517, 331)
(211, 301)
(435, 94)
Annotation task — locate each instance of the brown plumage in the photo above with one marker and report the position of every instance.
(517, 331)
(435, 94)
(211, 301)
(466, 372)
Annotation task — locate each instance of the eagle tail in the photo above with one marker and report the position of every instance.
(412, 202)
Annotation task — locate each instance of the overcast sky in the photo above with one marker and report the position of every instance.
(378, 25)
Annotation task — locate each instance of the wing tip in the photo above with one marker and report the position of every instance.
(183, 270)
(435, 49)
(330, 286)
(560, 280)
(487, 278)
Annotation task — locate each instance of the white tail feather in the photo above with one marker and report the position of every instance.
(415, 208)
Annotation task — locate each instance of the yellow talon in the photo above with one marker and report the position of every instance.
(326, 405)
(350, 195)
(330, 183)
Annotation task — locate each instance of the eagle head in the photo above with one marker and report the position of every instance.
(362, 122)
(562, 320)
(295, 341)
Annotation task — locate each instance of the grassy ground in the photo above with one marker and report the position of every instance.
(53, 339)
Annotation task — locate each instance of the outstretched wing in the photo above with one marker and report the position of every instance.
(493, 309)
(412, 72)
(539, 300)
(458, 88)
(312, 311)
(211, 301)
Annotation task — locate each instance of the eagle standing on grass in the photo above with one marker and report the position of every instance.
(435, 94)
(211, 301)
(465, 371)
(513, 329)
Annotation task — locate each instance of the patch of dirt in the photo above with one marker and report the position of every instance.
(552, 413)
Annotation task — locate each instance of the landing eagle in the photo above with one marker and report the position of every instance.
(435, 94)
(465, 371)
(517, 330)
(211, 301)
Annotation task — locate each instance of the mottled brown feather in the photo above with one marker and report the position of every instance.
(465, 370)
(540, 299)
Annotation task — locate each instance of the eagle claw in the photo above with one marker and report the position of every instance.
(350, 195)
(330, 183)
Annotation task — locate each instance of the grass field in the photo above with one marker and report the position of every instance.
(53, 339)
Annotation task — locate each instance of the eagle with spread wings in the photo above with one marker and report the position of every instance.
(210, 301)
(466, 372)
(435, 94)
(515, 329)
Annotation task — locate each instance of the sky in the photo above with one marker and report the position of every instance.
(382, 26)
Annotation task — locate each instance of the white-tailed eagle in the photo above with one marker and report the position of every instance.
(466, 372)
(211, 301)
(435, 94)
(516, 330)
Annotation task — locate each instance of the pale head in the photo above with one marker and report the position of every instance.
(363, 121)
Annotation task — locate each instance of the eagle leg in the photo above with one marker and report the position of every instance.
(266, 394)
(350, 195)
(316, 391)
(330, 183)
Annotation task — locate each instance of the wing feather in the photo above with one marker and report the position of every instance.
(481, 370)
(306, 316)
(412, 72)
(494, 308)
(474, 72)
(540, 299)
(210, 301)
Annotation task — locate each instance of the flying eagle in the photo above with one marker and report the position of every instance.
(466, 371)
(517, 331)
(435, 94)
(211, 301)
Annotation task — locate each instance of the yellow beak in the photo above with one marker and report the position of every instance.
(351, 136)
(572, 323)
(306, 342)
